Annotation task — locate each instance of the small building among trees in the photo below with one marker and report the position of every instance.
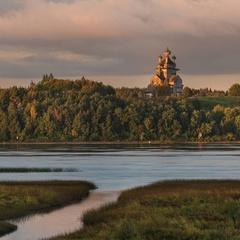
(165, 81)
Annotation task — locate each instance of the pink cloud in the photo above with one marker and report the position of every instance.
(100, 37)
(108, 18)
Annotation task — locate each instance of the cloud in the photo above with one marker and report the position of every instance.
(94, 18)
(61, 1)
(7, 6)
(108, 37)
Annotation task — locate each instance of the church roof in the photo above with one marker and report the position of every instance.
(170, 63)
(167, 52)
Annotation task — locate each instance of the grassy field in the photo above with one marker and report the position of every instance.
(208, 210)
(22, 198)
(210, 102)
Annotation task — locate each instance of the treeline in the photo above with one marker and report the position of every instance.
(84, 110)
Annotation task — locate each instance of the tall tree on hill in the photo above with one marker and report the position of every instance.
(234, 90)
(187, 92)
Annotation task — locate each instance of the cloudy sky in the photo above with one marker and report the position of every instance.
(118, 42)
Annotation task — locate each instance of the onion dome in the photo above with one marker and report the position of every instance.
(160, 58)
(167, 52)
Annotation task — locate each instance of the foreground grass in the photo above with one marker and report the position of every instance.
(19, 199)
(168, 210)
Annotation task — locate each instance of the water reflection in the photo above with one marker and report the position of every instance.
(60, 221)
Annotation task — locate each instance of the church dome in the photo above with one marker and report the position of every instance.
(167, 52)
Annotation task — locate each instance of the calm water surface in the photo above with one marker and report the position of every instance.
(118, 167)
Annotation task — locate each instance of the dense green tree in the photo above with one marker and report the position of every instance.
(4, 134)
(81, 127)
(187, 92)
(14, 122)
(163, 90)
(234, 90)
(237, 124)
(168, 126)
(218, 114)
(84, 110)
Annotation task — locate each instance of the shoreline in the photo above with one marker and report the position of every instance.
(42, 196)
(67, 218)
(193, 200)
(118, 143)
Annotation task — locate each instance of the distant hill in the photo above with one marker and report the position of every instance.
(56, 110)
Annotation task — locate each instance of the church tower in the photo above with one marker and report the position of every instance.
(166, 71)
(168, 65)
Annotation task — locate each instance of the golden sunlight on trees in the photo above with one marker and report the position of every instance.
(234, 90)
(84, 110)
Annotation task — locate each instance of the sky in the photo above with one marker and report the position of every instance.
(118, 42)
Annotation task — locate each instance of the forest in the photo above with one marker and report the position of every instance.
(56, 110)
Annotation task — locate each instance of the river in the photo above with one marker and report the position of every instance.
(116, 167)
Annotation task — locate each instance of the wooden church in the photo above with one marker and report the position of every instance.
(166, 73)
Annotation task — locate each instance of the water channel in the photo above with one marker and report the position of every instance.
(113, 168)
(64, 220)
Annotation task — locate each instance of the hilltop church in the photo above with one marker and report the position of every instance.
(166, 71)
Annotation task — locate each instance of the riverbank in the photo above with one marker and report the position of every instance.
(196, 209)
(62, 220)
(20, 199)
(120, 143)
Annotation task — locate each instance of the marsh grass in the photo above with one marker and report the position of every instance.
(19, 199)
(37, 170)
(204, 209)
